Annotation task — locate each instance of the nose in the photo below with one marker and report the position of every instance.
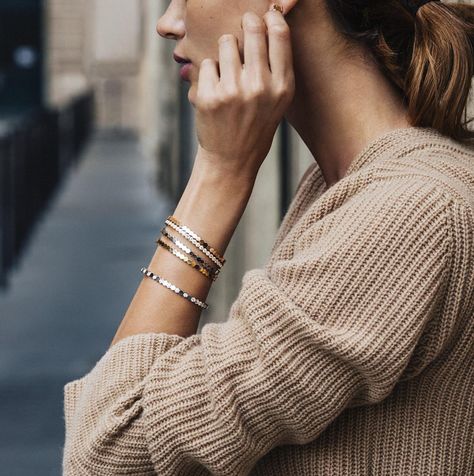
(171, 24)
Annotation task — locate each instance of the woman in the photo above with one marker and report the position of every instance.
(351, 352)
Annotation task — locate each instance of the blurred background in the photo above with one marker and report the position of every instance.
(97, 142)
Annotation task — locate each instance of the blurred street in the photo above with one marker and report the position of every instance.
(69, 292)
(97, 143)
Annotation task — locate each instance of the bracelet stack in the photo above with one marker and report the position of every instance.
(188, 256)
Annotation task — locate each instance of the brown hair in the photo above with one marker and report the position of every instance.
(428, 55)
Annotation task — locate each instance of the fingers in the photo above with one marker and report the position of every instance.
(279, 44)
(229, 60)
(208, 78)
(260, 55)
(255, 44)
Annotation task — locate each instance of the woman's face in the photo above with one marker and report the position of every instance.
(198, 24)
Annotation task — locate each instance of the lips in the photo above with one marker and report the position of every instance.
(178, 59)
(184, 71)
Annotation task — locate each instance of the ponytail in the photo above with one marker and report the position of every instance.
(439, 76)
(427, 55)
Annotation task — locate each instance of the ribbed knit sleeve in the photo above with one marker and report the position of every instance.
(331, 324)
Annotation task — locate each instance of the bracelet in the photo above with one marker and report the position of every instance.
(194, 242)
(182, 257)
(197, 238)
(174, 288)
(183, 247)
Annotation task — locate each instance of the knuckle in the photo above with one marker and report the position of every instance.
(257, 91)
(206, 102)
(284, 89)
(280, 94)
(279, 29)
(230, 93)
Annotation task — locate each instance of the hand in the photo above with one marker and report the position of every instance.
(238, 113)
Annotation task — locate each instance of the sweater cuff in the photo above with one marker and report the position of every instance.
(125, 363)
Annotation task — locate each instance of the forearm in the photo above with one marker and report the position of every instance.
(211, 206)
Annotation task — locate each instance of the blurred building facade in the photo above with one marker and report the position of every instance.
(112, 46)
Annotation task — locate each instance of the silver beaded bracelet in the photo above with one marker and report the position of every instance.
(186, 235)
(182, 246)
(216, 254)
(174, 288)
(187, 260)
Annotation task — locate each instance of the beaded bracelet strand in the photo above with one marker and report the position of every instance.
(197, 238)
(187, 260)
(197, 241)
(174, 288)
(184, 248)
(194, 242)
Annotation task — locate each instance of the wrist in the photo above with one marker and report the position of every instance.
(220, 170)
(213, 203)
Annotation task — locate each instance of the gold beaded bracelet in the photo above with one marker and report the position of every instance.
(194, 242)
(184, 248)
(201, 245)
(197, 238)
(189, 261)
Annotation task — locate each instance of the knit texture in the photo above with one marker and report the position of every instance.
(350, 353)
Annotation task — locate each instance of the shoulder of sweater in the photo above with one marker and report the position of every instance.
(439, 171)
(402, 186)
(442, 172)
(372, 195)
(444, 166)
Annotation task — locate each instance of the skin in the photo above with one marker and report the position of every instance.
(333, 78)
(250, 69)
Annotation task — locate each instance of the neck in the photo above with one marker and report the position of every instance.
(340, 105)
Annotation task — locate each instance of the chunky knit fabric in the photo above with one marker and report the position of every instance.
(350, 353)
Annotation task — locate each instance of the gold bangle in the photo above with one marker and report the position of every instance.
(197, 238)
(184, 248)
(194, 242)
(191, 262)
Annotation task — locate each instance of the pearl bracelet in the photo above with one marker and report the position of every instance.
(174, 288)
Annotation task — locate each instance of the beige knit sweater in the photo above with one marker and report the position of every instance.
(351, 353)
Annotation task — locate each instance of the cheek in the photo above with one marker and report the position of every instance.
(206, 21)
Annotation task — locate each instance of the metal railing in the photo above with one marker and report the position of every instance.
(36, 150)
